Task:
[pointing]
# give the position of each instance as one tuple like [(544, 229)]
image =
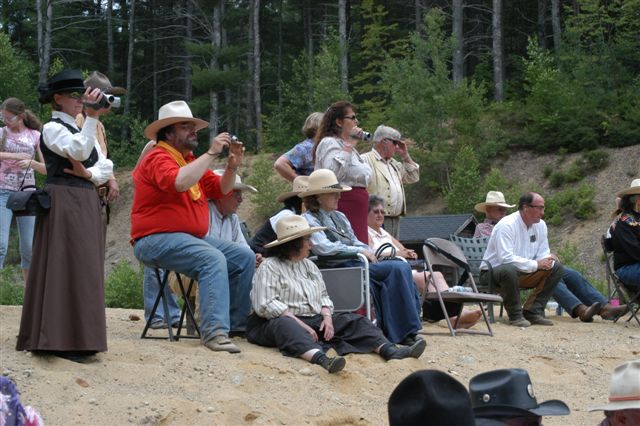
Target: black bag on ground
[(29, 203)]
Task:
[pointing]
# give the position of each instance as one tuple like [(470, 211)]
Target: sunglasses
[(350, 117), (395, 142), (75, 95)]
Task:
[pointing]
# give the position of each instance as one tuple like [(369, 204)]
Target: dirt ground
[(157, 382)]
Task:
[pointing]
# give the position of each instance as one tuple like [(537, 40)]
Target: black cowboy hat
[(68, 80), (509, 393), (432, 398)]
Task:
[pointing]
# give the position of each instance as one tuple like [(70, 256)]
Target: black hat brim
[(548, 408)]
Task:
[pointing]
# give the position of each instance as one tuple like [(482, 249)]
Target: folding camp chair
[(616, 287), (348, 286), (443, 253), (186, 309)]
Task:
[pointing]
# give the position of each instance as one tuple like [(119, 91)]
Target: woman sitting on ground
[(625, 236), (395, 297), (379, 236), (293, 312)]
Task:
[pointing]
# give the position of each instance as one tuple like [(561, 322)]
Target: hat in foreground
[(323, 181), (494, 198), (624, 392), (509, 393), (172, 113), (432, 398), (291, 227), (634, 189), (63, 82), (238, 185)]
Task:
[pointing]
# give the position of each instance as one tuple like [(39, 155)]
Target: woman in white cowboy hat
[(395, 297), (625, 236), (293, 311), (495, 208), (63, 311)]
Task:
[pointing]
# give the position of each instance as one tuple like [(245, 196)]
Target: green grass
[(11, 288)]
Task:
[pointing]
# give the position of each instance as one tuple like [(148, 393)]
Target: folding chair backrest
[(344, 286), (473, 249), (437, 259)]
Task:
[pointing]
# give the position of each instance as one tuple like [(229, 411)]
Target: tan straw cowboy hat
[(494, 198), (624, 392), (291, 227), (172, 113), (299, 184), (238, 185), (634, 189), (323, 181)]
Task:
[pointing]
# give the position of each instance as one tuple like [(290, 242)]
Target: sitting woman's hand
[(408, 253), (327, 327), (370, 256)]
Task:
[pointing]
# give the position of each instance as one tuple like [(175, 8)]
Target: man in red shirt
[(170, 220)]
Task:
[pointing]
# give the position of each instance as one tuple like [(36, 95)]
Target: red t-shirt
[(158, 207)]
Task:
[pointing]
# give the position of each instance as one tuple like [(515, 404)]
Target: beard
[(191, 144)]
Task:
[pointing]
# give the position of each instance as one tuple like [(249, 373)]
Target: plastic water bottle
[(459, 289)]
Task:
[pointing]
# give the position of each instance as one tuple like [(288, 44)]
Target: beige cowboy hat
[(172, 113), (291, 227), (494, 198), (634, 189), (323, 181), (100, 81), (238, 185), (299, 184), (624, 392)]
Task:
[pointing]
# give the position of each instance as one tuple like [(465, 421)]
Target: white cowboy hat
[(238, 184), (624, 392), (172, 113), (291, 227), (323, 181), (634, 189), (299, 184), (494, 198)]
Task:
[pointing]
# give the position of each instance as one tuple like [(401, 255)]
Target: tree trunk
[(127, 99), (344, 48), (257, 99), (44, 39), (216, 40), (576, 7), (279, 60), (542, 12), (308, 33), (555, 22), (498, 61), (109, 14), (458, 35), (228, 95), (250, 124), (154, 59), (188, 86)]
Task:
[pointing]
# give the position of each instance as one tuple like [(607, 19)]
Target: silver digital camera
[(106, 101)]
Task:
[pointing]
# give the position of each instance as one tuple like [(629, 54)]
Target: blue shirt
[(301, 157)]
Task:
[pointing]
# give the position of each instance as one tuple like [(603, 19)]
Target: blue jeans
[(26, 225), (573, 290), (150, 287), (630, 275), (223, 269)]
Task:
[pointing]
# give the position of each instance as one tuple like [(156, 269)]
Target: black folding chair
[(616, 287)]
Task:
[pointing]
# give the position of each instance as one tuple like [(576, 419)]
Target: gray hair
[(375, 200), (386, 132), (311, 124)]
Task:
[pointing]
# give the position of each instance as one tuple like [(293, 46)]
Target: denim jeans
[(150, 287), (574, 290), (223, 269), (630, 275), (26, 225)]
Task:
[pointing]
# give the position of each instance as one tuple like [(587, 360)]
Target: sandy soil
[(153, 382)]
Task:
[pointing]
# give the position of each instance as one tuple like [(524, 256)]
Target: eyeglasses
[(378, 211), (350, 117), (541, 208), (75, 95), (395, 142)]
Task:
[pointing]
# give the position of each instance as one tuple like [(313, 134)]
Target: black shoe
[(536, 319), (391, 351), (410, 340), (332, 365)]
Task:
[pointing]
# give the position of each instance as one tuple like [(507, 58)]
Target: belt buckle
[(102, 191)]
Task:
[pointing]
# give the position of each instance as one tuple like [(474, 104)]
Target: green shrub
[(462, 191), (596, 160), (569, 256), (269, 185), (11, 288), (576, 202), (123, 287)]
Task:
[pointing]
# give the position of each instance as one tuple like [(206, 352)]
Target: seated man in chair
[(170, 219)]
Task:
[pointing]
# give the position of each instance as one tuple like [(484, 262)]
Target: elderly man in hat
[(574, 293), (390, 175), (507, 395), (518, 251), (623, 408), (170, 220)]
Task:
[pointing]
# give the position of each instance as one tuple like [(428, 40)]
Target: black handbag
[(29, 203)]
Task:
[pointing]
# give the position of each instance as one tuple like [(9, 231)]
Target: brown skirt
[(64, 306)]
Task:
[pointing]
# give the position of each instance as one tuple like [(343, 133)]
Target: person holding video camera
[(64, 312)]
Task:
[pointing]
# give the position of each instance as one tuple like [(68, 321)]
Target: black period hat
[(68, 80)]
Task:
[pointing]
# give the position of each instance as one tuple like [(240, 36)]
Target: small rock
[(210, 410), (306, 371), (82, 382), (134, 317), (93, 401)]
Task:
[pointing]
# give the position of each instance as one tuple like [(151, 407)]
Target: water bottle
[(459, 289)]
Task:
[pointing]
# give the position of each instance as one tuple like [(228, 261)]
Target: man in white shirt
[(519, 254), (390, 175)]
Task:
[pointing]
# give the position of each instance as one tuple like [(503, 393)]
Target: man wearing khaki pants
[(518, 251)]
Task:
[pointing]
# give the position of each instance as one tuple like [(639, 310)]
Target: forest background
[(468, 81)]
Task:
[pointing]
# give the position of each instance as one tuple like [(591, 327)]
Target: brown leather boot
[(585, 313), (610, 312)]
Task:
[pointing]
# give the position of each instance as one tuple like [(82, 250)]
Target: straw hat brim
[(152, 129), (280, 198), (482, 207), (308, 193), (634, 190), (298, 234)]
